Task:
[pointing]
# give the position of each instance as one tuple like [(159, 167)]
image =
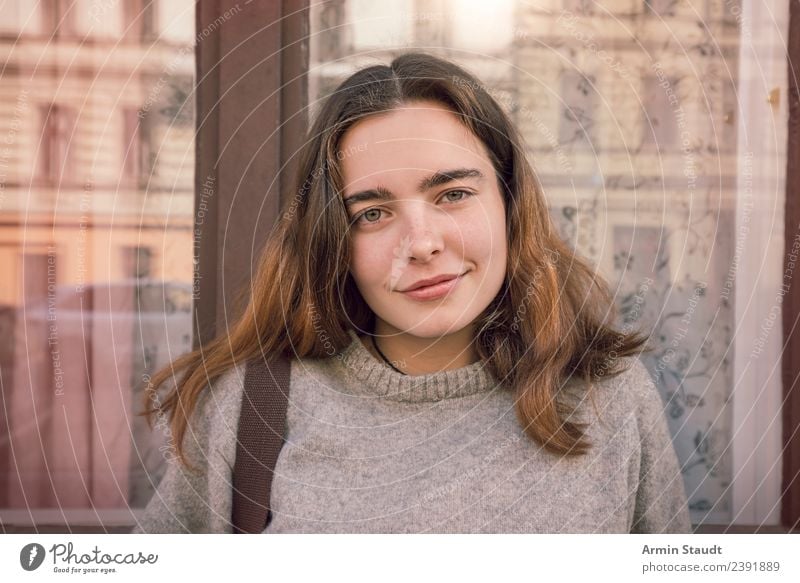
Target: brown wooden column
[(252, 60), (790, 503)]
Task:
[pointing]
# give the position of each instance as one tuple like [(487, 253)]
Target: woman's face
[(423, 201)]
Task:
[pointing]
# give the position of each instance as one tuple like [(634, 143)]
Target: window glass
[(96, 222), (628, 111)]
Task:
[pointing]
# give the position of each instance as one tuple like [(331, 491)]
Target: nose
[(424, 234)]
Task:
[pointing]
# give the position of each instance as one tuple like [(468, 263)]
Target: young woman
[(454, 367)]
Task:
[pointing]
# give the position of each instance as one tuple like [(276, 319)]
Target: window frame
[(790, 363), (240, 96)]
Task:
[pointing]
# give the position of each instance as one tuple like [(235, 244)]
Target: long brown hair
[(551, 320)]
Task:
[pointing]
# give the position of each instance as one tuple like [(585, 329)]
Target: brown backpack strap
[(260, 437)]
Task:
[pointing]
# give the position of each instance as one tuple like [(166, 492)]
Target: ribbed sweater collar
[(373, 377)]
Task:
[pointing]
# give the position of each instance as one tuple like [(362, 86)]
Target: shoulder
[(628, 394), (642, 399), (229, 386), (633, 384), (218, 407)]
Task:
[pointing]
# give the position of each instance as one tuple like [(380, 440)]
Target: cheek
[(367, 264), (484, 237)]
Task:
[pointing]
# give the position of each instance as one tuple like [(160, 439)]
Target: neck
[(414, 355)]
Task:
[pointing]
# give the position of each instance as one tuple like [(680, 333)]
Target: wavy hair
[(552, 319)]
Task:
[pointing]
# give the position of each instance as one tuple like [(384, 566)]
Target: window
[(660, 100), (140, 19), (580, 87), (56, 159), (136, 261), (96, 260), (58, 18), (577, 121), (135, 153)]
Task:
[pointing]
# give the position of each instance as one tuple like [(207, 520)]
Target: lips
[(431, 281), (445, 286)]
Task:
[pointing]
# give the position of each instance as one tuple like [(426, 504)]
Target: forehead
[(420, 137)]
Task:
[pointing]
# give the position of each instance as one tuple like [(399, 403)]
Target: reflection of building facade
[(628, 109), (629, 114), (96, 215)]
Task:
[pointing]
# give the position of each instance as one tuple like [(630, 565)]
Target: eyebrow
[(436, 179)]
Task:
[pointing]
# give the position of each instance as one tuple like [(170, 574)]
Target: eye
[(466, 194), (376, 215), (363, 217)]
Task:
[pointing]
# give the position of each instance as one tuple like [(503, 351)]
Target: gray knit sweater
[(370, 450)]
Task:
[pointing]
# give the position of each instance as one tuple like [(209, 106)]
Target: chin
[(430, 328)]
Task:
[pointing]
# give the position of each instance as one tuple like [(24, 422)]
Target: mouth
[(434, 291)]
